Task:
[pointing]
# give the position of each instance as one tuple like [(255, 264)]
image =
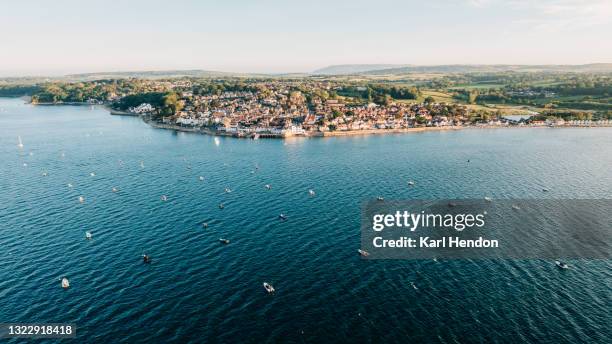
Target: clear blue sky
[(57, 37)]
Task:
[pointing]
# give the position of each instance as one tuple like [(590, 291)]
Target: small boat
[(268, 287), (311, 192), (201, 178), (115, 189), (544, 190), (217, 141), (141, 164), (81, 199), (20, 144), (146, 259), (65, 283), (224, 241), (88, 235), (363, 253), (380, 198), (164, 198), (561, 265), (411, 183), (256, 137), (69, 185), (221, 206), (282, 217), (25, 164), (268, 186), (488, 199), (205, 225), (452, 204), (92, 174), (44, 174), (516, 207), (228, 190)]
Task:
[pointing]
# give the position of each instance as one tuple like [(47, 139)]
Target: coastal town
[(285, 113), (290, 108)]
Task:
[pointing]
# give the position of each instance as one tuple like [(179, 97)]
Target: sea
[(199, 290)]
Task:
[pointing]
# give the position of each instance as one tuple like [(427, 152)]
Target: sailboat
[(20, 145)]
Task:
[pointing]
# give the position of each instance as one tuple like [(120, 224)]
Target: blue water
[(198, 290)]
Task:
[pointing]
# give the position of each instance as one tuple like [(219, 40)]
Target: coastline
[(352, 132), (337, 133)]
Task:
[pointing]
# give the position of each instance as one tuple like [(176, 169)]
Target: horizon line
[(26, 74)]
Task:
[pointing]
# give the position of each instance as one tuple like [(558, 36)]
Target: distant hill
[(374, 69), (150, 74), (355, 68)]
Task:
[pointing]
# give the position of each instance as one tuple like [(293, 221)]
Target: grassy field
[(438, 96), (475, 86), (504, 109)]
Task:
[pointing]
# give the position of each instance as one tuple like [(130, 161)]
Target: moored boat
[(268, 287), (65, 283)]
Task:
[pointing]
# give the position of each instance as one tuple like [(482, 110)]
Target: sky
[(267, 36)]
